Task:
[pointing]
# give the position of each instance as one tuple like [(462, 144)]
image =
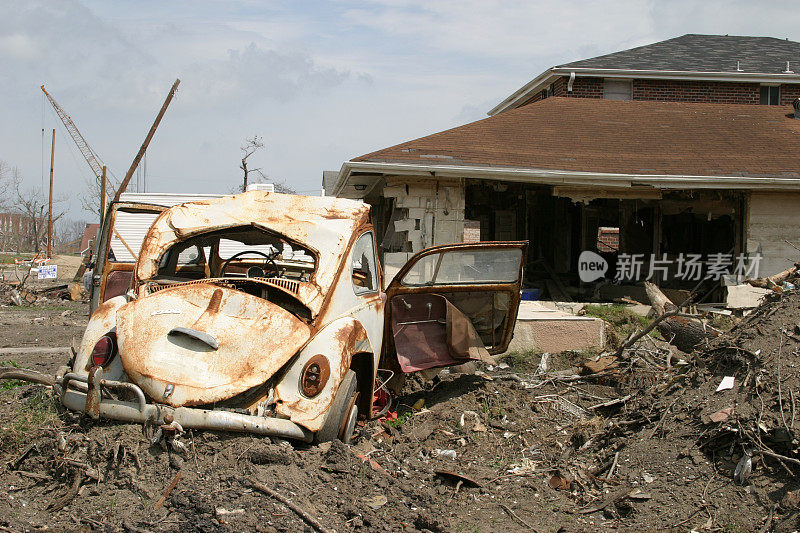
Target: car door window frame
[(373, 271)]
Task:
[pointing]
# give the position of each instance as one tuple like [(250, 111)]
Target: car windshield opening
[(247, 258)]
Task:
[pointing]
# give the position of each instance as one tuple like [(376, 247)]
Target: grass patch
[(36, 410), (8, 384), (528, 362), (622, 320), (31, 409), (9, 258), (520, 360), (400, 420)]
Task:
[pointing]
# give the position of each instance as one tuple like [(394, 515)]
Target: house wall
[(772, 220), (427, 212), (697, 91), (674, 91)]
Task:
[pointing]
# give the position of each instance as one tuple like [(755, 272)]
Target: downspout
[(571, 81)]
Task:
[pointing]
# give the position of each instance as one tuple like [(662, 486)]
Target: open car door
[(122, 233), (453, 303)]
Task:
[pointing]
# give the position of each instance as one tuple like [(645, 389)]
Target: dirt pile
[(565, 442)]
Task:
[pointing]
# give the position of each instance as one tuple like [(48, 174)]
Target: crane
[(91, 157)]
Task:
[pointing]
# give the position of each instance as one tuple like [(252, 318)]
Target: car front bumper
[(91, 402)]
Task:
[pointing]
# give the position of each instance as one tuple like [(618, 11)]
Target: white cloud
[(254, 74), (322, 82), (19, 47)]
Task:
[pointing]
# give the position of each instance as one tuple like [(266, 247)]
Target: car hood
[(200, 344)]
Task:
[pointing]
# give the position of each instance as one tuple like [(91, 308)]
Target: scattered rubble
[(640, 439)]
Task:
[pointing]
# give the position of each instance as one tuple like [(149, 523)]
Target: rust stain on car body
[(256, 338)]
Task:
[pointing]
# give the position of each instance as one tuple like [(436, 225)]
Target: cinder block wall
[(432, 213), (771, 222)]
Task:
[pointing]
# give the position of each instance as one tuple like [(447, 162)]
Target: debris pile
[(721, 428), (645, 438), (19, 294)]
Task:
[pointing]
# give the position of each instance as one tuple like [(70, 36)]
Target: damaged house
[(675, 158)]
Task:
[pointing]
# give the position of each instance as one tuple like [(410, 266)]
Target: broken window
[(363, 264), (464, 267), (240, 252)]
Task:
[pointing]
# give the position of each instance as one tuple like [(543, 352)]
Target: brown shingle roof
[(607, 136)]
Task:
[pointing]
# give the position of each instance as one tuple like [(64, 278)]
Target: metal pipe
[(111, 384)]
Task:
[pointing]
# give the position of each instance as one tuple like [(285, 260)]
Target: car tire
[(343, 413)]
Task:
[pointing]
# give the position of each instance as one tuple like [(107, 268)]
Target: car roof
[(323, 224)]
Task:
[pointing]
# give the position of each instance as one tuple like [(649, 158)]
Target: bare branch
[(31, 204)]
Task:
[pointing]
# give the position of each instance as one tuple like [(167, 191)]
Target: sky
[(320, 82)]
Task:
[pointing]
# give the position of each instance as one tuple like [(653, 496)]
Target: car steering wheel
[(239, 254)]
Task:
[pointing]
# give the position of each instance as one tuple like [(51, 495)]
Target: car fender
[(338, 341), (103, 320)]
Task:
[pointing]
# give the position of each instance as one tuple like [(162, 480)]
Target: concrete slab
[(745, 296), (545, 329)]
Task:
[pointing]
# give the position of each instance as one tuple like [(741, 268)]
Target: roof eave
[(536, 84), (569, 177), (522, 92)]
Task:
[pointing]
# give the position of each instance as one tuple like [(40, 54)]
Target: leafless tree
[(250, 147), (68, 233), (32, 204), (5, 184)]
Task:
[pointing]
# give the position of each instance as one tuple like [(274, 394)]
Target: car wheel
[(342, 414)]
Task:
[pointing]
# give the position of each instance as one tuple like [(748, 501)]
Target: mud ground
[(502, 450)]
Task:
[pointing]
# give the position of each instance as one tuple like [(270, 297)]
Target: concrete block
[(447, 232), (421, 190), (397, 259), (416, 213), (405, 225), (745, 296), (549, 330), (394, 191), (405, 201)]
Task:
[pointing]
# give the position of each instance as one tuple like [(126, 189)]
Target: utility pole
[(50, 208), (140, 154), (103, 196)]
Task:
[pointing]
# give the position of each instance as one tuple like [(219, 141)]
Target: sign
[(472, 231), (48, 272)]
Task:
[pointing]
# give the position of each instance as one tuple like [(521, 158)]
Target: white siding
[(167, 199), (774, 218), (132, 227)]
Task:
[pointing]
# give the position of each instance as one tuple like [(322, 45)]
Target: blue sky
[(321, 82)]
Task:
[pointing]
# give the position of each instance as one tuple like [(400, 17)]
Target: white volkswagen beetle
[(266, 313)]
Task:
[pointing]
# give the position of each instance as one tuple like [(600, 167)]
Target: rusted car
[(266, 313)]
